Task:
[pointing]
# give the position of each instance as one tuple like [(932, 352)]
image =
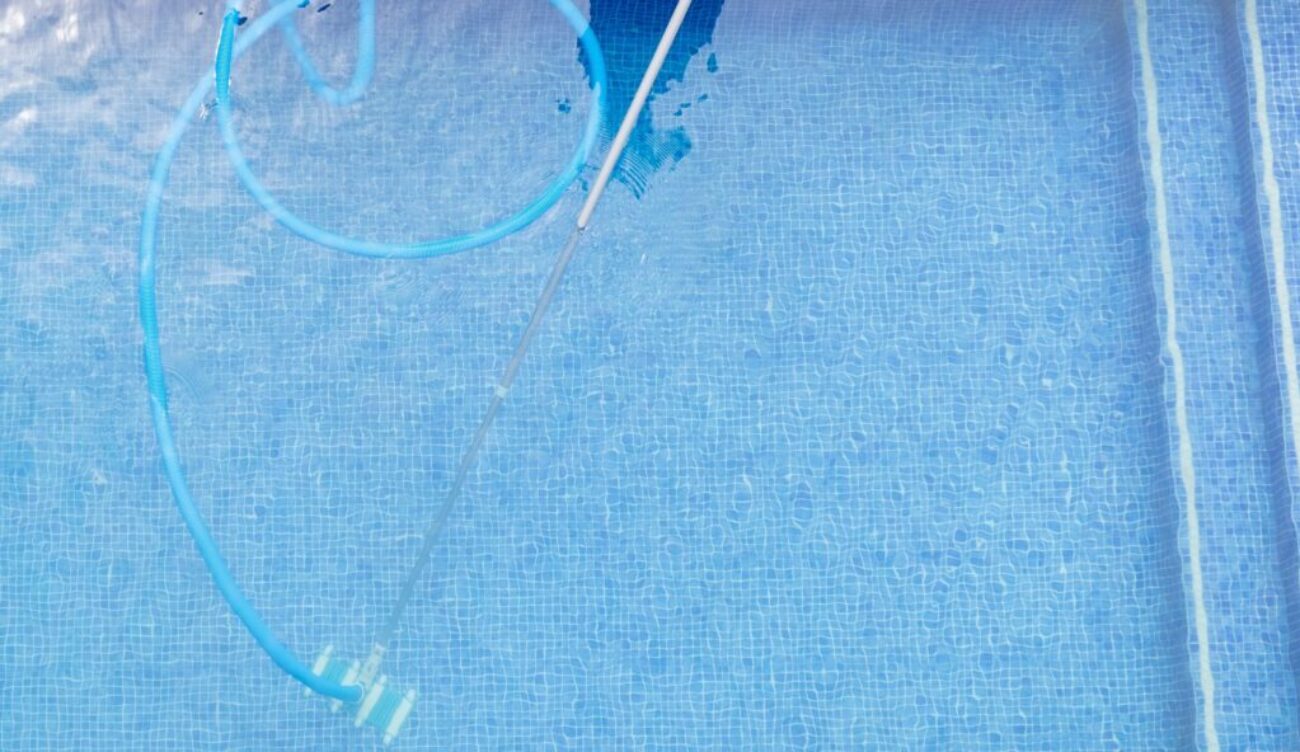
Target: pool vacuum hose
[(377, 703)]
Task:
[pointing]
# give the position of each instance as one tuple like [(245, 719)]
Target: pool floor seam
[(1273, 309), (1186, 469)]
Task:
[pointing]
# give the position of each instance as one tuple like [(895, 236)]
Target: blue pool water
[(926, 381)]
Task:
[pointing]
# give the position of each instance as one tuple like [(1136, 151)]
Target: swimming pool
[(925, 381)]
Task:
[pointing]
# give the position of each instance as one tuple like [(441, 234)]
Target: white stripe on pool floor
[(1276, 235), (1186, 468)]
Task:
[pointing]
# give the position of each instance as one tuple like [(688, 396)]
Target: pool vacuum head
[(381, 706)]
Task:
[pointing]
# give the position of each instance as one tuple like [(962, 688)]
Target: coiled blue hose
[(229, 49), (361, 74), (490, 234)]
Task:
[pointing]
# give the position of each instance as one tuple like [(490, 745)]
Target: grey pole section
[(371, 667)]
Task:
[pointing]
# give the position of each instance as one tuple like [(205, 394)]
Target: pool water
[(926, 380)]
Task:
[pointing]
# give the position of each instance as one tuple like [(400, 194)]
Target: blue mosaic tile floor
[(927, 380)]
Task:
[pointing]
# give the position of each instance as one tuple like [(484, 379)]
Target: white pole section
[(633, 112)]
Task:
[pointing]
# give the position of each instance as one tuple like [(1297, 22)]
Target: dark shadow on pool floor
[(628, 31)]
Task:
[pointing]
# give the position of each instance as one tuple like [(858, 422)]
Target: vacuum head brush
[(382, 706)]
